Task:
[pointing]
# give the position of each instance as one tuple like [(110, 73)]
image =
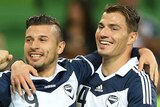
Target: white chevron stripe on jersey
[(146, 86)]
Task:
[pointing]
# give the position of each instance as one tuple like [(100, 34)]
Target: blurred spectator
[(79, 30)]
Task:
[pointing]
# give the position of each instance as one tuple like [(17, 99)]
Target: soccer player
[(58, 80), (117, 82)]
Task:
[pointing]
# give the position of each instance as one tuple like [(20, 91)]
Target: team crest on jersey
[(69, 91), (112, 101)]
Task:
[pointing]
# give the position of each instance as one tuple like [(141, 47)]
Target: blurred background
[(79, 19)]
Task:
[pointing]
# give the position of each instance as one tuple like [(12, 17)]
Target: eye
[(43, 39), (28, 40), (100, 26), (115, 28)]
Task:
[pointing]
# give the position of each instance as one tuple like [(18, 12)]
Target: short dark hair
[(132, 17), (43, 20)]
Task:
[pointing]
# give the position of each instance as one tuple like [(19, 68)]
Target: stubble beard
[(41, 67)]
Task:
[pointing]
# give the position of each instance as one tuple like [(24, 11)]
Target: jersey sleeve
[(95, 59), (142, 92), (5, 97), (82, 67), (135, 53)]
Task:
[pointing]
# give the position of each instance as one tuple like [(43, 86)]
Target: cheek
[(26, 47), (52, 49), (123, 36), (97, 34), (122, 42)]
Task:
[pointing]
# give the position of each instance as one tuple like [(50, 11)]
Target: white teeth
[(35, 55), (105, 42)]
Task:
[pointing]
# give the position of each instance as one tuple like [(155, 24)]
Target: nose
[(105, 32), (35, 44)]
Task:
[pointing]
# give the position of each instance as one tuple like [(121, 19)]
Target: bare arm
[(147, 58), (20, 76), (5, 58), (20, 71)]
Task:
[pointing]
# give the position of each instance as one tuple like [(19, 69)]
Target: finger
[(4, 56), (33, 71), (10, 57), (156, 77), (152, 70), (19, 89), (18, 86), (3, 65), (140, 65), (25, 86), (13, 86), (31, 85)]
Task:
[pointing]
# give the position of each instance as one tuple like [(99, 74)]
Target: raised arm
[(5, 58)]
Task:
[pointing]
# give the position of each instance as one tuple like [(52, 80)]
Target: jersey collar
[(57, 70), (126, 68), (122, 71)]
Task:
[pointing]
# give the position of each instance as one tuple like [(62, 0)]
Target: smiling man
[(117, 82), (58, 79)]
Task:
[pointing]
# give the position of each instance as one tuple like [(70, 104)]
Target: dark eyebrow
[(28, 37), (100, 23), (43, 36), (111, 25), (40, 36)]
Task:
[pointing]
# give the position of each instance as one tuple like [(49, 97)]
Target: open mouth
[(105, 42), (35, 55)]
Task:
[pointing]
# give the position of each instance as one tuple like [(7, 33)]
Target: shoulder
[(5, 74), (141, 89)]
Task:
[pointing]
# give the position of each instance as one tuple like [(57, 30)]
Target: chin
[(101, 51)]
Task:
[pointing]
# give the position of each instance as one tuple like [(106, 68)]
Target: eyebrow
[(39, 36), (114, 25), (28, 37), (110, 25), (100, 23)]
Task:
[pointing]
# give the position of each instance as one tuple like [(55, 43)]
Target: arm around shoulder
[(142, 92)]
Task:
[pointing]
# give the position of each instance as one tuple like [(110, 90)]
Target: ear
[(132, 38), (61, 46)]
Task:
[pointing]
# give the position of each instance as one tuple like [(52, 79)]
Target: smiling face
[(42, 46), (112, 36)]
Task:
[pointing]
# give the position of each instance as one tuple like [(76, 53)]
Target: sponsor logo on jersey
[(69, 91), (99, 88), (50, 86), (112, 101)]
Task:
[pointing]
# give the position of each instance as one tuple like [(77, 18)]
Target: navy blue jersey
[(125, 88), (59, 90)]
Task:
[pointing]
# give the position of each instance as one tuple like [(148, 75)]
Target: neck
[(48, 71), (111, 64)]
